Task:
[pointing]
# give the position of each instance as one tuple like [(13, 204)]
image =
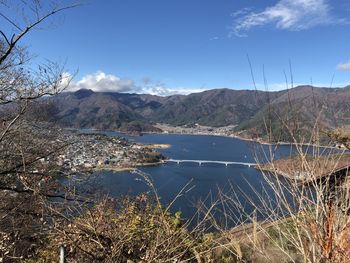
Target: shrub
[(123, 230)]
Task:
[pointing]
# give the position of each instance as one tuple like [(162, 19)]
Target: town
[(101, 152)]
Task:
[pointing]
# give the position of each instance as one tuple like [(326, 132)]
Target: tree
[(28, 145)]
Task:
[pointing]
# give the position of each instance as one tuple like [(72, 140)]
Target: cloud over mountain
[(102, 82)]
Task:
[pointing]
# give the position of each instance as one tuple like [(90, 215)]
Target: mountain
[(298, 111), (252, 111), (219, 107), (106, 110)]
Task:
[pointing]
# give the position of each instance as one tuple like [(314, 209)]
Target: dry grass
[(128, 230), (296, 168)]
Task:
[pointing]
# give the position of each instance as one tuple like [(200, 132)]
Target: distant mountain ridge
[(220, 107)]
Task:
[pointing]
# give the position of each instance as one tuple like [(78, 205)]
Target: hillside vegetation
[(255, 113)]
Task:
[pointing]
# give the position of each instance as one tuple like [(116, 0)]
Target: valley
[(249, 114)]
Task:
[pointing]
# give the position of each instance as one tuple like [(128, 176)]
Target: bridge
[(200, 162)]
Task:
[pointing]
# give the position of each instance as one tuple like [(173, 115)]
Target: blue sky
[(181, 46)]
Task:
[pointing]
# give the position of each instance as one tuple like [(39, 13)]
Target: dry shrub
[(134, 229), (341, 136), (302, 218)]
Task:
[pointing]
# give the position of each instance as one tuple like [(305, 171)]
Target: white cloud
[(158, 88), (163, 91), (66, 80), (214, 38), (344, 66), (240, 12), (102, 82), (293, 15)]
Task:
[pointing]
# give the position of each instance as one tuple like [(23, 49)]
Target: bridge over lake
[(200, 162)]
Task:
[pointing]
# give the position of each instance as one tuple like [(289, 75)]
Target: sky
[(181, 46)]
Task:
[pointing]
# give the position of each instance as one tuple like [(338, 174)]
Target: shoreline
[(132, 167), (207, 134), (244, 139), (157, 146), (217, 135)]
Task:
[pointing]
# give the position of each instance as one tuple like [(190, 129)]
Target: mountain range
[(255, 113)]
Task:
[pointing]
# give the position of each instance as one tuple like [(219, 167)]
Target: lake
[(202, 181)]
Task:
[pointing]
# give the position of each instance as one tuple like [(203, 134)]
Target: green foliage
[(151, 157)]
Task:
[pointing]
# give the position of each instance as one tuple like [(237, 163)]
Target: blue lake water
[(203, 181)]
